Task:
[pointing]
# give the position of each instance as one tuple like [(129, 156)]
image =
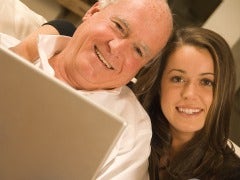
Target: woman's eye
[(177, 79), (207, 82)]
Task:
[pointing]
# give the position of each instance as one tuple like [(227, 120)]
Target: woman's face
[(187, 90)]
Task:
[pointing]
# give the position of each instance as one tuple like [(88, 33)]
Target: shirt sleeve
[(128, 160), (64, 27), (17, 19), (132, 164)]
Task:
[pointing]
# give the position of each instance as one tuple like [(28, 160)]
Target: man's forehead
[(144, 9), (126, 3)]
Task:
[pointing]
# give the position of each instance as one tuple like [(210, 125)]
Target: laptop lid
[(47, 129)]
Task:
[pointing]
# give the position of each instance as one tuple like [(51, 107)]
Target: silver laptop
[(47, 130)]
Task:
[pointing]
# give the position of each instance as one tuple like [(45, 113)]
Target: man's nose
[(118, 45), (189, 90)]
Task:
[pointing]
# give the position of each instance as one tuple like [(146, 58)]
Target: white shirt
[(129, 158), (17, 19)]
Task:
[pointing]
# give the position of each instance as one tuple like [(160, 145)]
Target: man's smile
[(102, 59)]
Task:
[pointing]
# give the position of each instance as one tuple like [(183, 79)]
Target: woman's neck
[(179, 139)]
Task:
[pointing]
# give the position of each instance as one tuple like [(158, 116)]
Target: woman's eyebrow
[(207, 73), (178, 70)]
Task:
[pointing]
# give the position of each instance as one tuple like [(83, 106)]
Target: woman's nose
[(189, 90)]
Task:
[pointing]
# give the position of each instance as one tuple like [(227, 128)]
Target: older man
[(116, 39)]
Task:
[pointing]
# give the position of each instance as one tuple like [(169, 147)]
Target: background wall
[(49, 9), (226, 21)]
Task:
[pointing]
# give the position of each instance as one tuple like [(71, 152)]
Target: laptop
[(47, 130)]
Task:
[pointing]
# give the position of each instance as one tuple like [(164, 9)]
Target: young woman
[(190, 108)]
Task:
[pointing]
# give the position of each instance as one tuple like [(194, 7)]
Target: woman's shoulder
[(231, 166)]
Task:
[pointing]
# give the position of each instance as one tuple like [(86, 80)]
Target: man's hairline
[(105, 3)]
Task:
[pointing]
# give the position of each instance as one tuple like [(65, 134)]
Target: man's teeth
[(188, 110), (103, 60)]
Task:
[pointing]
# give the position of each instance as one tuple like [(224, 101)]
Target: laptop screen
[(47, 129)]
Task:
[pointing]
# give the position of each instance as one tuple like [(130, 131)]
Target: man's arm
[(28, 47)]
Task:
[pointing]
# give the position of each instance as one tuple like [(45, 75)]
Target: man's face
[(114, 43)]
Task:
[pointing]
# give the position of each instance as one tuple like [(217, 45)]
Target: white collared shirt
[(129, 158)]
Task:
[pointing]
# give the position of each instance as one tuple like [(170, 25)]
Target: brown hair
[(203, 155)]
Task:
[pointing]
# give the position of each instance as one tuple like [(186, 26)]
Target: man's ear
[(93, 9)]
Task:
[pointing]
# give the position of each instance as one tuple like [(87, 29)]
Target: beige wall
[(226, 21), (49, 9)]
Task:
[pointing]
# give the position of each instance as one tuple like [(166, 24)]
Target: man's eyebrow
[(125, 24), (127, 27), (146, 50)]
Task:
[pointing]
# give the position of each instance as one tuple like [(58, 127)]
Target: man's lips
[(102, 59)]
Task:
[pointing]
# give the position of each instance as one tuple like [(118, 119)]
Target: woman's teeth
[(189, 110)]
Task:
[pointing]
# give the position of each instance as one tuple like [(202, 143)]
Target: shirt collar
[(48, 45), (115, 91)]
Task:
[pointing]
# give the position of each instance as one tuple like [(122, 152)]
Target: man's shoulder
[(121, 101)]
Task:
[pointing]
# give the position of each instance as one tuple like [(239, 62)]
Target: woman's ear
[(93, 9)]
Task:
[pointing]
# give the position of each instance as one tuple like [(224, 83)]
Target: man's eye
[(119, 27), (177, 79), (207, 82), (139, 51)]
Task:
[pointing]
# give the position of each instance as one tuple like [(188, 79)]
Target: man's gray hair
[(104, 3)]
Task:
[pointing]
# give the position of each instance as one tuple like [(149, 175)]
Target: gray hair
[(104, 3)]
